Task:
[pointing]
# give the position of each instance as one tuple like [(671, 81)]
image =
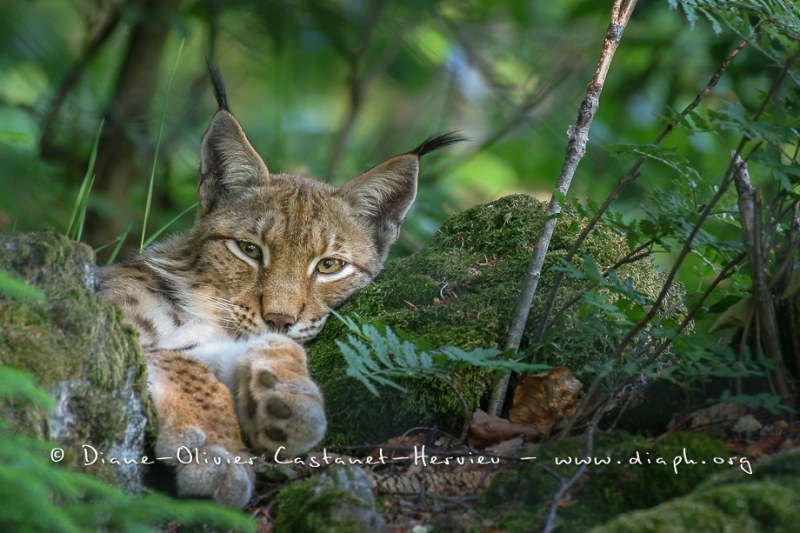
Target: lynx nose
[(278, 321)]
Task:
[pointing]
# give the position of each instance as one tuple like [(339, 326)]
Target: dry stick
[(626, 180), (576, 148), (750, 214), (565, 485), (685, 250)]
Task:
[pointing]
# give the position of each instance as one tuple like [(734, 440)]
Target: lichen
[(77, 348), (461, 290)]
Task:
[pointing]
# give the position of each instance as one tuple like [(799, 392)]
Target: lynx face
[(273, 253), (278, 255)]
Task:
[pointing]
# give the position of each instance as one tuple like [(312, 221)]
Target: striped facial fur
[(223, 309)]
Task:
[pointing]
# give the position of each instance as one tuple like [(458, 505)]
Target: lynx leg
[(197, 430), (278, 404)]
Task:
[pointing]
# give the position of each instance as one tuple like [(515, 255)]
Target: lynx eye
[(250, 249), (329, 265)]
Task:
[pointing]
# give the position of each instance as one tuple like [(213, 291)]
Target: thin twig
[(626, 180), (727, 179), (637, 254), (576, 148), (566, 485)]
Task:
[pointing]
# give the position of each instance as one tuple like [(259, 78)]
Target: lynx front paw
[(278, 404), (205, 470)]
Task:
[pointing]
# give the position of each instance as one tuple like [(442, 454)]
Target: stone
[(338, 500), (78, 349)]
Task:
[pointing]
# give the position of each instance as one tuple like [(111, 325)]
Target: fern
[(376, 355)]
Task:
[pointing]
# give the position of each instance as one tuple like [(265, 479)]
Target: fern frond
[(376, 355)]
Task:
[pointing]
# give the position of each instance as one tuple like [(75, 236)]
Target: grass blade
[(166, 226), (17, 288), (120, 241), (78, 216), (149, 201)]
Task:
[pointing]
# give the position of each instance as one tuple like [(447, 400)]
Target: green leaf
[(18, 289)]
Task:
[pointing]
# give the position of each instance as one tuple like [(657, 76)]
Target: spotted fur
[(222, 311)]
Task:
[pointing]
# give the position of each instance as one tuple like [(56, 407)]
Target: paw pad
[(267, 379), (276, 434), (278, 408), (278, 403)]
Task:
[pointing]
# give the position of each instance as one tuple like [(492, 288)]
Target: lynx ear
[(228, 162), (382, 196)]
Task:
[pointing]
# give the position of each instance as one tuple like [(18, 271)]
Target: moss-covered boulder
[(625, 473), (79, 350), (461, 290), (765, 500), (339, 500)]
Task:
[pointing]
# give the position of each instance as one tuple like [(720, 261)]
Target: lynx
[(223, 310)]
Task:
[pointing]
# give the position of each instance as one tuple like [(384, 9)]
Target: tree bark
[(576, 147), (119, 159)]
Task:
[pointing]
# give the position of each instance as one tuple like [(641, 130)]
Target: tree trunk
[(120, 161)]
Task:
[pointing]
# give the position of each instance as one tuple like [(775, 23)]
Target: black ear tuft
[(439, 141), (219, 86)]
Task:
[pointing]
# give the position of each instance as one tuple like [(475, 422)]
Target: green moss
[(75, 345), (765, 501), (461, 290), (329, 503), (654, 483), (628, 476), (301, 509)]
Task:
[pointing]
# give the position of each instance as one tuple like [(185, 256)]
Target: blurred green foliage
[(508, 74)]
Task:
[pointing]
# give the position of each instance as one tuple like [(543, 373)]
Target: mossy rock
[(630, 473), (765, 501), (339, 500), (78, 349), (461, 290)]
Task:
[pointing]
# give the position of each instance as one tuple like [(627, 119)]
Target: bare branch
[(750, 213), (727, 179), (567, 484), (576, 148), (627, 179)]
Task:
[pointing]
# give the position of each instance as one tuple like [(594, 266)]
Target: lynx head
[(274, 252)]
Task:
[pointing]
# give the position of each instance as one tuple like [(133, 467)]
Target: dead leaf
[(541, 400), (764, 445), (506, 448), (397, 447), (487, 430), (720, 414)]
